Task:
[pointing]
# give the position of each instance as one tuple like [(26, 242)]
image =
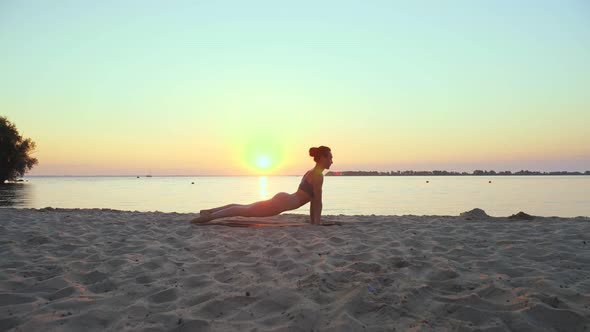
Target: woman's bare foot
[(203, 218)]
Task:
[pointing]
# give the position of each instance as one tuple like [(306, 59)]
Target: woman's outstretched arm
[(315, 209)]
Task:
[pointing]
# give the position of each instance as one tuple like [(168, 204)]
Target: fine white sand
[(80, 270)]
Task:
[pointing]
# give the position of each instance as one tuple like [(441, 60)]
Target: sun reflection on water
[(262, 183)]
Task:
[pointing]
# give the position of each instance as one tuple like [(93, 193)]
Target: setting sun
[(261, 155), (263, 162)]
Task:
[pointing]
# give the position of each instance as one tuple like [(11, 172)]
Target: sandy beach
[(96, 270)]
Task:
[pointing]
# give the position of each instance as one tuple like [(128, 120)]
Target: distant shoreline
[(341, 173), (452, 173)]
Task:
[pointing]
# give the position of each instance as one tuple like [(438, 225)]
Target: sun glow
[(262, 156), (263, 162)]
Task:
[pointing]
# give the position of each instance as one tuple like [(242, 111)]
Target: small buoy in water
[(427, 181)]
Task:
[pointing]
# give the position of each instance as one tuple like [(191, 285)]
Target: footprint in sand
[(13, 299), (164, 296), (64, 292), (93, 277)]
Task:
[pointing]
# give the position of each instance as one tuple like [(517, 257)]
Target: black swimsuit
[(306, 186)]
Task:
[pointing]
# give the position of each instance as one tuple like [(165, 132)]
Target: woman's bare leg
[(279, 203), (218, 208), (258, 209)]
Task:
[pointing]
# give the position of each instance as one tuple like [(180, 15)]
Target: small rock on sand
[(475, 214), (521, 216)]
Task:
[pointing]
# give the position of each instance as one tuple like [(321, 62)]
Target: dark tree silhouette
[(14, 152)]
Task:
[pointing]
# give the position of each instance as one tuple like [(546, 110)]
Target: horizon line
[(244, 175)]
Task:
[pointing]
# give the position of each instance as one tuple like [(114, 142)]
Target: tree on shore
[(14, 152)]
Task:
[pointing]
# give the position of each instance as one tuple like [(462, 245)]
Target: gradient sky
[(217, 87)]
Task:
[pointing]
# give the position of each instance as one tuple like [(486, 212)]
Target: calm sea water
[(565, 196)]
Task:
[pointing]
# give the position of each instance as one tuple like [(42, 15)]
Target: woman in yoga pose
[(310, 190)]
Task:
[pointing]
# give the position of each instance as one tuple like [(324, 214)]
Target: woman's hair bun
[(317, 153), (313, 152)]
